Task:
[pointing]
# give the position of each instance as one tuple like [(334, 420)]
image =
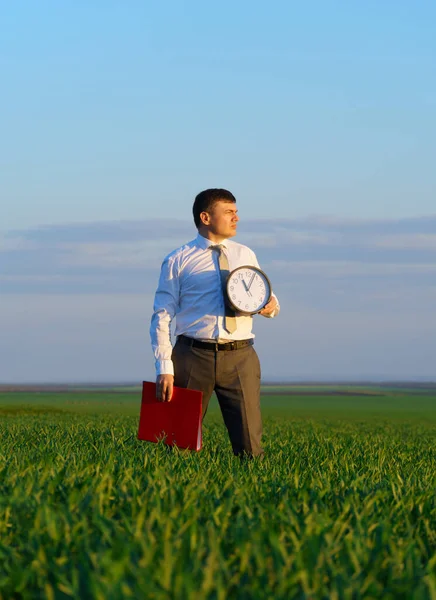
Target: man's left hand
[(269, 308)]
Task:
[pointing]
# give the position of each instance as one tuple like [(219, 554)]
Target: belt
[(214, 346)]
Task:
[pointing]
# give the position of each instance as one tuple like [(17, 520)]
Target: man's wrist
[(164, 367)]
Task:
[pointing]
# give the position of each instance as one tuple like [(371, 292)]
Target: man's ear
[(205, 217)]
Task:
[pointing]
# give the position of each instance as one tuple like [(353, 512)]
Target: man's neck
[(212, 237)]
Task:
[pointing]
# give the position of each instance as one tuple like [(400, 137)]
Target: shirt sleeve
[(277, 309), (166, 302)]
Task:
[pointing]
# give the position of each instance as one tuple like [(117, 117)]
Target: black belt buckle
[(227, 346)]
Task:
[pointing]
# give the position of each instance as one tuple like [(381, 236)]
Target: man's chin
[(233, 232)]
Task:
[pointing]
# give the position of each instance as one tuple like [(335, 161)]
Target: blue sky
[(320, 114)]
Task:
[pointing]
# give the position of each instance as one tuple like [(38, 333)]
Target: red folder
[(177, 422)]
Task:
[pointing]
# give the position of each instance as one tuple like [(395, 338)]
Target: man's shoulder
[(180, 251), (237, 247)]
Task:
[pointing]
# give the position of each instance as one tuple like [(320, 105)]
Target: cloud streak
[(358, 298), (126, 256)]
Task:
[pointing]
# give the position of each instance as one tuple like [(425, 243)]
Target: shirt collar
[(205, 243)]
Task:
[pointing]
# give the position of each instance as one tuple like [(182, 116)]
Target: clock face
[(248, 290)]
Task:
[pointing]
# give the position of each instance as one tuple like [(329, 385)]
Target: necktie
[(229, 316)]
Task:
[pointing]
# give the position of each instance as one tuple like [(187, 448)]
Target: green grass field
[(343, 506)]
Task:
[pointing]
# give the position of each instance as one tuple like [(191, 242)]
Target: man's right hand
[(164, 387)]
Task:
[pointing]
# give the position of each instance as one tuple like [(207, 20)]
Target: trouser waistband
[(214, 346)]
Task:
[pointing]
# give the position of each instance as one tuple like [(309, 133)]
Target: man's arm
[(165, 305), (271, 309)]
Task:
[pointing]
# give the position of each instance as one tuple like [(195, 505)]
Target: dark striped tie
[(229, 316)]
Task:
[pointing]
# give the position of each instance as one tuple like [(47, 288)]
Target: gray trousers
[(234, 375)]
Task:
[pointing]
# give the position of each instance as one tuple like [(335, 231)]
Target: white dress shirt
[(190, 290)]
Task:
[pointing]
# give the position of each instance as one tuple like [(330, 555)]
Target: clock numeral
[(240, 275), (246, 306), (239, 302), (233, 296), (231, 288), (235, 280)]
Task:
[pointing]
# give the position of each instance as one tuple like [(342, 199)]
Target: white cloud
[(358, 298), (139, 254), (13, 243), (351, 268), (415, 240), (122, 252)]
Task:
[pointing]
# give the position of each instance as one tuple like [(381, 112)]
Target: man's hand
[(269, 308), (164, 387)]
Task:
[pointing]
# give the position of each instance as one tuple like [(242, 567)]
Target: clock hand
[(251, 281), (246, 288)]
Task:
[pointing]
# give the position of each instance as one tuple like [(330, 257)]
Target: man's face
[(223, 219)]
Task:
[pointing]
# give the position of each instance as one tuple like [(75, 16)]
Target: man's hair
[(205, 201)]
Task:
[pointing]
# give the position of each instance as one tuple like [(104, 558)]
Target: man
[(214, 349)]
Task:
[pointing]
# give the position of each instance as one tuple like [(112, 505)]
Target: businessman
[(214, 347)]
